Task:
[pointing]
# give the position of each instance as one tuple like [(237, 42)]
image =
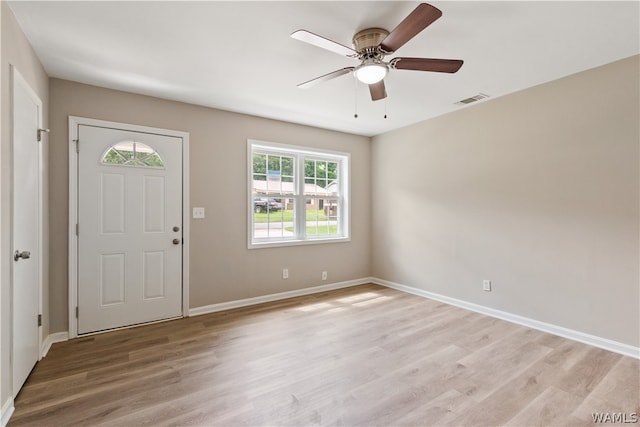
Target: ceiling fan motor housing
[(367, 42)]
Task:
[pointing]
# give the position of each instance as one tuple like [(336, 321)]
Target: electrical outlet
[(285, 273), (486, 285), (324, 275)]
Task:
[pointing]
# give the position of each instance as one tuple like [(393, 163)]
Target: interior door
[(129, 228), (27, 116)]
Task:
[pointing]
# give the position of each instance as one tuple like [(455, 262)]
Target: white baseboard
[(52, 339), (6, 411), (213, 308), (604, 343)]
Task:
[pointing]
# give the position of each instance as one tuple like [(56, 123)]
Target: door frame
[(16, 78), (74, 123)]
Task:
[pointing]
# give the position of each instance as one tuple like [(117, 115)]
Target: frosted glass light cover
[(371, 73)]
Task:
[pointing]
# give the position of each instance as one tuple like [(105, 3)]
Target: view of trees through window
[(319, 172)]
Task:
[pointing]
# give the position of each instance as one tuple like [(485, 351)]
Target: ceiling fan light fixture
[(370, 72)]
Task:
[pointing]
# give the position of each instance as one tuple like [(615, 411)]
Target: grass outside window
[(286, 216)]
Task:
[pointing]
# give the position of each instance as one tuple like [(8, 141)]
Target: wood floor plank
[(618, 392), (621, 385), (586, 374), (366, 355), (550, 408)]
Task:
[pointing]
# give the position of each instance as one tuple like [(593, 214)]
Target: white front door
[(27, 116), (129, 228)]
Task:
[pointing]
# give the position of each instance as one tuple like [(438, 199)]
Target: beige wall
[(537, 191), (222, 268), (15, 49)]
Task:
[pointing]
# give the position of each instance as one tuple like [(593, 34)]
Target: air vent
[(478, 97)]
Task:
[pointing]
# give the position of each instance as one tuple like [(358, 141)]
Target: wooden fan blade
[(323, 43), (421, 17), (427, 64), (378, 90), (331, 75)]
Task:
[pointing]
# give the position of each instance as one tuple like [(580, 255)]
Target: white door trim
[(74, 122), (15, 78)]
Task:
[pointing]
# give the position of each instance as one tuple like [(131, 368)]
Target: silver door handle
[(176, 241), (23, 255)]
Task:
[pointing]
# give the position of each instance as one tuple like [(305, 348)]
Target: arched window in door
[(132, 153)]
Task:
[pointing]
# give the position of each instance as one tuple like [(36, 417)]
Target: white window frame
[(299, 153)]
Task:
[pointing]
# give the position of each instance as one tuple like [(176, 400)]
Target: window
[(131, 153), (296, 195)]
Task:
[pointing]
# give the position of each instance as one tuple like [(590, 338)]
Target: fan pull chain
[(355, 98), (385, 108)]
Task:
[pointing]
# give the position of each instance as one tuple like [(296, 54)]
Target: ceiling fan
[(373, 44)]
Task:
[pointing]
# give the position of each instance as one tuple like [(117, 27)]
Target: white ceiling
[(238, 56)]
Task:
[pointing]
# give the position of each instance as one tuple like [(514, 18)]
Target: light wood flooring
[(362, 356)]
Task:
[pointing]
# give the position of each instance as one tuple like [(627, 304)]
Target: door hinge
[(39, 319), (76, 311), (77, 141), (77, 229), (40, 132)]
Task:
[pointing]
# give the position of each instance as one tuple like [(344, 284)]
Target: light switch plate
[(198, 213)]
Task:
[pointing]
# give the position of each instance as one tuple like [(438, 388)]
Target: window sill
[(284, 243)]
